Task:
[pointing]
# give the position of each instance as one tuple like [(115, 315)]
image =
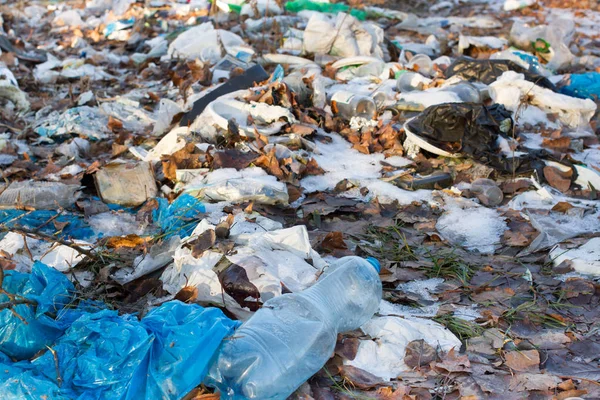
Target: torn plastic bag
[(180, 217), (471, 129), (106, 356), (52, 291), (584, 259), (9, 89), (186, 339), (18, 382), (511, 87), (76, 227), (583, 86), (250, 184), (488, 71), (214, 43), (384, 356), (39, 195)]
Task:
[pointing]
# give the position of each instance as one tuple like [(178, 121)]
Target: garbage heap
[(170, 166)]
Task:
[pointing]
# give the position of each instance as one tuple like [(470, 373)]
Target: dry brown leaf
[(312, 168), (203, 242), (562, 207), (114, 124), (418, 353), (334, 241), (187, 294), (557, 178), (561, 144), (130, 241), (523, 361)]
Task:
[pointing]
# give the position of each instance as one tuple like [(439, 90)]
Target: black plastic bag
[(488, 71), (471, 129)]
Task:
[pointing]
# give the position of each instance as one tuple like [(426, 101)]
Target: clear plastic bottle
[(487, 192), (466, 91), (292, 336), (348, 105), (411, 81), (422, 64)]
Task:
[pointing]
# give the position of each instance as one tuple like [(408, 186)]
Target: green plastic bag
[(330, 8)]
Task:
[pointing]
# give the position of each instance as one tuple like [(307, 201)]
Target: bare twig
[(58, 377), (49, 238)]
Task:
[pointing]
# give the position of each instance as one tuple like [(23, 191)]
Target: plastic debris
[(39, 195), (126, 184), (301, 328)]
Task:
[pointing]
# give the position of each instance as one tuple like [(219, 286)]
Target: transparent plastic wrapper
[(511, 87), (214, 43), (550, 41), (39, 195), (250, 184), (292, 336), (126, 184), (51, 291), (85, 121), (180, 217)]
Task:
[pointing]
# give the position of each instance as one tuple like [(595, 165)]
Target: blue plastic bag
[(97, 356), (76, 228), (52, 291), (104, 356), (180, 217), (186, 340), (583, 86)]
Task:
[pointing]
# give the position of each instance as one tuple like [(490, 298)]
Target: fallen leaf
[(560, 145), (235, 282), (203, 242), (557, 178), (187, 294), (333, 241), (347, 347), (232, 158), (418, 353), (312, 168), (562, 207), (523, 361), (454, 363), (114, 124), (360, 378)]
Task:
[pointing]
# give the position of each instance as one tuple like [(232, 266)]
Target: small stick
[(58, 377)]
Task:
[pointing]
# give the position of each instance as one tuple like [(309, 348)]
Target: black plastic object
[(471, 129), (246, 80), (434, 181), (36, 56), (487, 71)]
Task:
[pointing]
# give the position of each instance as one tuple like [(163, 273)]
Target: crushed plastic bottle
[(411, 81), (292, 336), (348, 105), (466, 91), (487, 192)]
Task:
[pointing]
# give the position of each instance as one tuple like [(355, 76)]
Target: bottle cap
[(373, 261)]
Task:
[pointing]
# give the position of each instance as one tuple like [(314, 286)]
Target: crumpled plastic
[(76, 227), (511, 87), (472, 129), (210, 48), (250, 184), (342, 35), (52, 291), (583, 86), (180, 217), (488, 71), (39, 195), (106, 356), (85, 121)]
